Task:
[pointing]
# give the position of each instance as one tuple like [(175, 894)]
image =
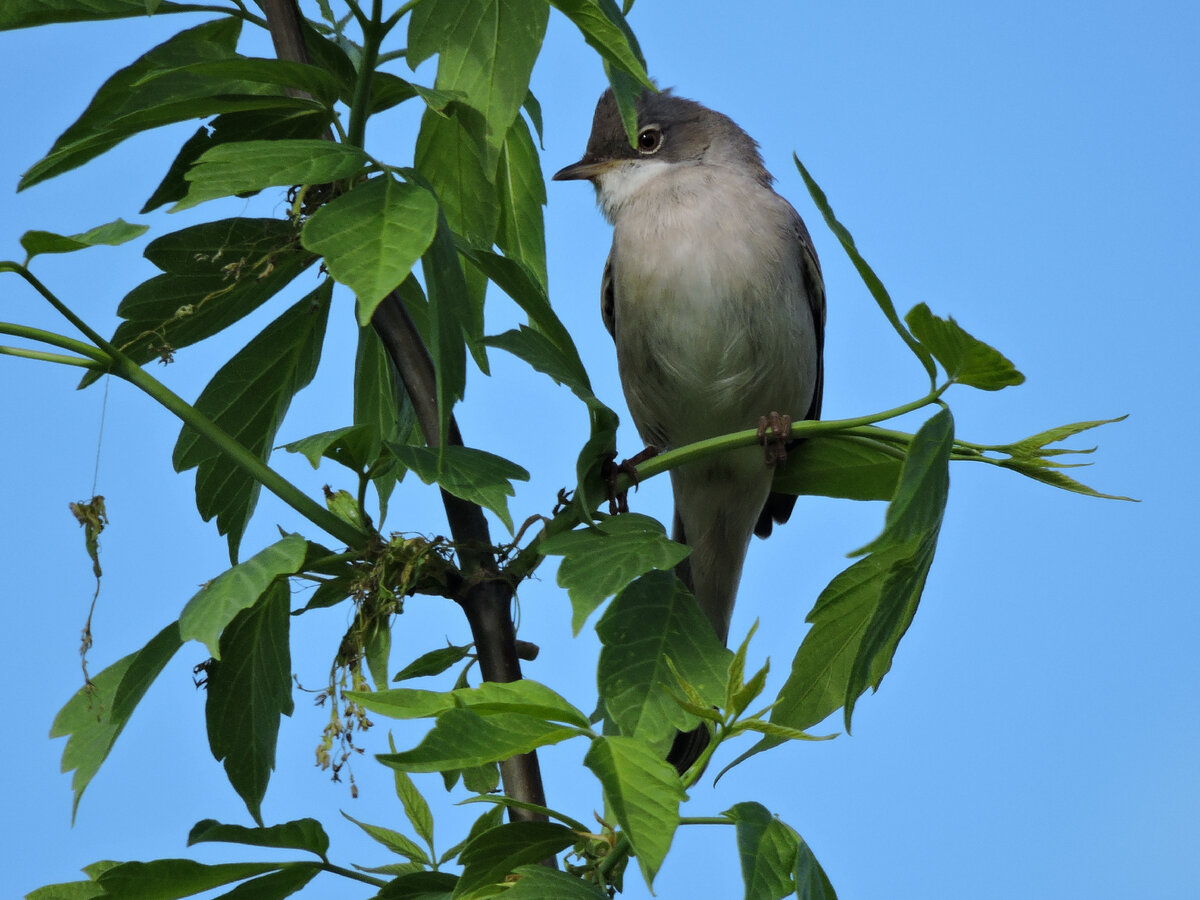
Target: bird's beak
[(585, 168)]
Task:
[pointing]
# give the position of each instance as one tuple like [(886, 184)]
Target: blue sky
[(1028, 168)]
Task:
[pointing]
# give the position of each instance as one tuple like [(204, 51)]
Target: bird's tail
[(717, 506)]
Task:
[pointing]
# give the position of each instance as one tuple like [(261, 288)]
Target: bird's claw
[(618, 501), (774, 432)]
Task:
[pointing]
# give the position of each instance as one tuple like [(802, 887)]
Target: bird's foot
[(774, 432), (618, 502)]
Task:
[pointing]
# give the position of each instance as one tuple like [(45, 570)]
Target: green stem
[(361, 499), (400, 14), (619, 851), (243, 458), (391, 55), (350, 873), (373, 32), (108, 349), (116, 362), (528, 559), (54, 340), (59, 358), (749, 437), (705, 820)]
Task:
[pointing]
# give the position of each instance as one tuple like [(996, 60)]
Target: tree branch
[(487, 597)]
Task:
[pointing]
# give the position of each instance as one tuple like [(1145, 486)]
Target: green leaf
[(775, 730), (72, 890), (627, 90), (312, 80), (381, 404), (601, 560), (214, 274), (966, 359), (248, 689), (215, 605), (525, 697), (415, 807), (900, 559), (451, 155), (248, 398), (539, 882), (435, 662), (371, 236), (522, 194), (383, 408), (469, 474), (328, 593), (393, 840), (93, 719), (404, 703), (605, 29), (486, 49), (652, 620), (1029, 457), (463, 738), (493, 855), (168, 879), (112, 234), (847, 466), (479, 779), (870, 279), (158, 90), (388, 90), (1036, 445), (510, 803), (767, 849), (821, 667), (644, 793), (920, 499), (348, 445), (811, 881), (290, 878), (247, 166), (490, 819), (1046, 474), (419, 886), (519, 281), (600, 447), (452, 312), (299, 834), (741, 698), (146, 665), (264, 125), (397, 868), (533, 109), (377, 651), (28, 13), (860, 617), (734, 682), (98, 868), (541, 353)]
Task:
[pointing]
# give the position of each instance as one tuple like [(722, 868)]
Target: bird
[(713, 295)]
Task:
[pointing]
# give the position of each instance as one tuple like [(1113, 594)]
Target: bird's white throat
[(626, 182)]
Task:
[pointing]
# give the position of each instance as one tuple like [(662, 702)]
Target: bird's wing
[(778, 507), (814, 289), (608, 306)]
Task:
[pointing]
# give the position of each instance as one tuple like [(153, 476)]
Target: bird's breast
[(711, 317)]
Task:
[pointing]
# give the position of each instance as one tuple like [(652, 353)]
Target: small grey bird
[(713, 294)]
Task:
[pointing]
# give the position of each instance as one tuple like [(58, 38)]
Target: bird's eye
[(649, 139)]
